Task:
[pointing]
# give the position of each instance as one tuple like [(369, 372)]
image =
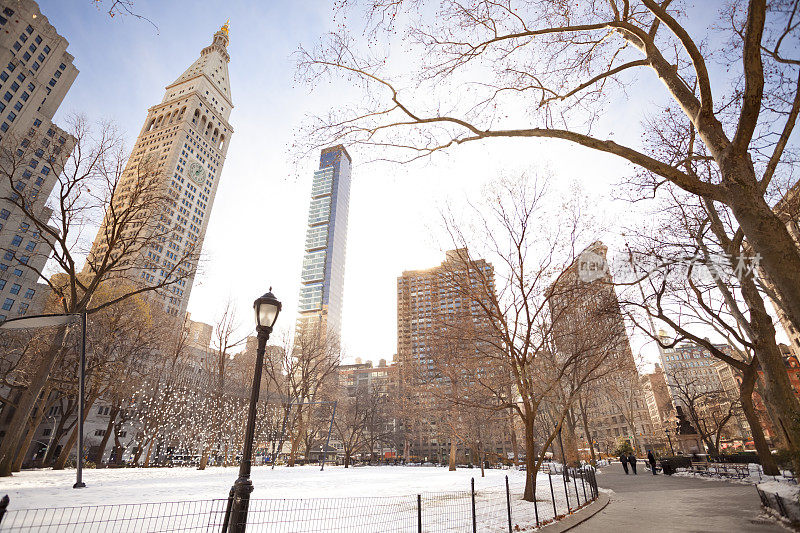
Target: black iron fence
[(498, 508), (785, 507)]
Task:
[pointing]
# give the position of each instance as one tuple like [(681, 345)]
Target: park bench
[(738, 470), (699, 467)]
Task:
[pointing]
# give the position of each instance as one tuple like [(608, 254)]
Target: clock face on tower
[(197, 172)]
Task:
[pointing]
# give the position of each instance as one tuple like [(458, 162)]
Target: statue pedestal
[(690, 444)]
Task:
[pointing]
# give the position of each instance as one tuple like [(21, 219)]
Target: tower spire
[(226, 28)]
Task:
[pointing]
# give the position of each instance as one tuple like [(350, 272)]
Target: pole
[(328, 438), (508, 505), (552, 493), (474, 520), (563, 468), (419, 513), (79, 484), (670, 443), (242, 487)]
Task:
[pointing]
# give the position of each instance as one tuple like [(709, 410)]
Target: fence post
[(535, 506), (474, 521), (419, 513), (564, 478), (508, 504), (552, 493), (583, 483), (577, 496)]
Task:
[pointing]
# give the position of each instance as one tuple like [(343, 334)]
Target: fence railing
[(786, 508), (497, 508)]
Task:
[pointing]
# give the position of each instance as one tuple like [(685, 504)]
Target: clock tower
[(186, 136)]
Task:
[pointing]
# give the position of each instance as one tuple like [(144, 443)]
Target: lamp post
[(670, 442), (267, 309)]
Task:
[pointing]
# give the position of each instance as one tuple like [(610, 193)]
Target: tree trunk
[(746, 399), (530, 463), (346, 459), (19, 420), (23, 448), (59, 432), (149, 451), (452, 459), (585, 421), (101, 449), (767, 235), (61, 461), (203, 458)]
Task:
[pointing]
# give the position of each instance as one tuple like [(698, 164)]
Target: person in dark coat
[(624, 460), (652, 460), (632, 462)]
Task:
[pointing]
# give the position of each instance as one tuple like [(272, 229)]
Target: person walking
[(652, 460), (632, 461), (624, 460)]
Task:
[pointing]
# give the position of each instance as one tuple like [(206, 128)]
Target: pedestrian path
[(675, 504)]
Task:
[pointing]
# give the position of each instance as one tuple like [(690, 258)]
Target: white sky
[(257, 225)]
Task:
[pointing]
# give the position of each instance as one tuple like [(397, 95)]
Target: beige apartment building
[(36, 71), (186, 138)]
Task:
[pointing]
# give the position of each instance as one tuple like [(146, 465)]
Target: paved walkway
[(668, 503)]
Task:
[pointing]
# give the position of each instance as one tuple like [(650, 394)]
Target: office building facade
[(185, 138), (36, 71), (322, 278)]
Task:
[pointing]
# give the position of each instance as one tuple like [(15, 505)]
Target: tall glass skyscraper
[(322, 280)]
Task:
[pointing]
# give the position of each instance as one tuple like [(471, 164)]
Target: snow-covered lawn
[(387, 493)]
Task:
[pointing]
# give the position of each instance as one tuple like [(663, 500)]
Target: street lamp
[(266, 309), (670, 442)]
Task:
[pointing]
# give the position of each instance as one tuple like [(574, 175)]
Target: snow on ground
[(445, 495)]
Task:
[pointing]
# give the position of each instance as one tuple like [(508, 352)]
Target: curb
[(580, 517)]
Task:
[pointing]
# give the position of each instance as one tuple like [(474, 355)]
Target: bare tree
[(94, 180), (483, 67), (547, 356)]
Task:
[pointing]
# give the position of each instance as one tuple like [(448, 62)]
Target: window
[(38, 39), (11, 67), (52, 82), (7, 304), (99, 432), (39, 181), (2, 284), (3, 75), (9, 256), (35, 65), (23, 308), (41, 57), (24, 96), (34, 163), (57, 74), (4, 214), (15, 289), (3, 267), (8, 96), (17, 272), (12, 116), (26, 56), (4, 126), (62, 66), (30, 246), (23, 226), (29, 29), (18, 106), (47, 432), (8, 12), (24, 259), (17, 46), (46, 49), (37, 123), (29, 294), (16, 241), (39, 152)]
